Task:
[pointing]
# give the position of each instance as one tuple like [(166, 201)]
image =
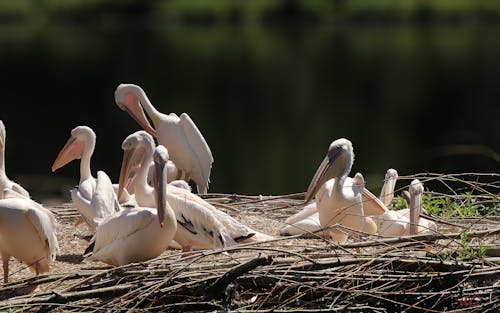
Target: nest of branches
[(454, 269)]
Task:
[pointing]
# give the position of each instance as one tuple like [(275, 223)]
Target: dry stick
[(225, 206), (153, 288), (424, 237), (71, 296), (215, 289)]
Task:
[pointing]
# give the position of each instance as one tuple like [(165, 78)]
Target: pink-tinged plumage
[(186, 145)]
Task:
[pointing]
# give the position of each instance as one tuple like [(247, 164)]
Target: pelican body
[(339, 199), (28, 233), (85, 196), (137, 234), (5, 182), (186, 145)]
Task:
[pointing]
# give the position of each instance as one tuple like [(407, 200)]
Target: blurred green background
[(415, 85)]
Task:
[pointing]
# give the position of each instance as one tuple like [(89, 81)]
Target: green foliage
[(464, 251), (399, 203), (448, 207), (464, 206)]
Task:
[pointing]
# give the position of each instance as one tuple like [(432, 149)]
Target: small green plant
[(463, 207), (464, 251), (399, 203)]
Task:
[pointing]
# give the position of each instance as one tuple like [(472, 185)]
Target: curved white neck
[(344, 168), (85, 172), (152, 112), (141, 187), (2, 163)]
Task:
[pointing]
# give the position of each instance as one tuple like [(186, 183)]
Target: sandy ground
[(72, 243)]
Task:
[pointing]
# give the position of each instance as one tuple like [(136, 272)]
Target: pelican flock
[(152, 208), (137, 234), (200, 224)]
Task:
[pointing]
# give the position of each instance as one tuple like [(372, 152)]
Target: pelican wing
[(234, 228), (44, 223), (200, 147), (121, 225), (83, 206), (9, 194), (104, 199), (20, 190), (307, 211), (308, 223), (372, 205), (199, 221)]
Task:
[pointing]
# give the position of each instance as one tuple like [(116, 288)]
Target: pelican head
[(81, 136), (127, 97), (337, 163), (416, 191), (160, 158), (137, 149)]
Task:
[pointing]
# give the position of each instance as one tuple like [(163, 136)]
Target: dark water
[(269, 100)]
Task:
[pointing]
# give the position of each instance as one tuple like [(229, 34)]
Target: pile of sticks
[(291, 274)]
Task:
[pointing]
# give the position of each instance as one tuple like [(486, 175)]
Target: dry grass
[(284, 275)]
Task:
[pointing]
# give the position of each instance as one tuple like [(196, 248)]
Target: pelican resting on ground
[(27, 232), (137, 234), (341, 200), (307, 219), (415, 224), (389, 224), (198, 220), (5, 182), (398, 223), (85, 196), (185, 143)]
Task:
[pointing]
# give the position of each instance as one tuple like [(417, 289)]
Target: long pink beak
[(132, 106), (73, 149), (127, 170)]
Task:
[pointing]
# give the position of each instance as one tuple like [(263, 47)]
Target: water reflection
[(268, 100)]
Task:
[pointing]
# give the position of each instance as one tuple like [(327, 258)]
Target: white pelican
[(185, 143), (416, 224), (133, 234), (307, 220), (5, 182), (390, 223), (341, 200), (85, 196), (406, 221), (193, 213), (27, 232)]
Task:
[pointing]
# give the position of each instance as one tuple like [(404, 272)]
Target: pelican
[(27, 232), (193, 213), (390, 223), (185, 143), (5, 182), (416, 225), (341, 200), (85, 196), (308, 222), (133, 235)]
